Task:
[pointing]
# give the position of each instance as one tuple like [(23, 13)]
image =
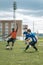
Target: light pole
[(14, 10)]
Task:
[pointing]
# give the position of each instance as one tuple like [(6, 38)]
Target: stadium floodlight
[(14, 9)]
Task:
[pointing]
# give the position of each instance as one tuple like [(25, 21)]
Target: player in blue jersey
[(33, 41)]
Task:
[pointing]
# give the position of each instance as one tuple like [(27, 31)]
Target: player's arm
[(17, 27), (28, 39), (8, 35), (24, 34)]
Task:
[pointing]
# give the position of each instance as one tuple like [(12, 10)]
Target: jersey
[(32, 36), (24, 33), (13, 34)]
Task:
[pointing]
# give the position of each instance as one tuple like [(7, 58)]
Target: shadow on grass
[(30, 52)]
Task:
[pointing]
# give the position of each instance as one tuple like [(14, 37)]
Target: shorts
[(32, 43), (11, 40)]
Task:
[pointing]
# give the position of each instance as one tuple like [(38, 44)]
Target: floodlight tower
[(14, 10)]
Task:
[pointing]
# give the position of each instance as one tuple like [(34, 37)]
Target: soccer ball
[(8, 47)]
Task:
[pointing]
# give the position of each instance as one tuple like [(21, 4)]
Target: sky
[(29, 11)]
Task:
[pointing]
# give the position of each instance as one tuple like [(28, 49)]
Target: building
[(7, 25), (24, 28)]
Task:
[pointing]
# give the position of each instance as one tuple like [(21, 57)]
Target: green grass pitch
[(17, 56)]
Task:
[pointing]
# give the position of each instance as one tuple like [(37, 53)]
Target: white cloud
[(27, 19), (35, 13), (24, 10)]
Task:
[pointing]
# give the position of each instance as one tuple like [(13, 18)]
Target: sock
[(27, 47), (7, 45), (35, 48)]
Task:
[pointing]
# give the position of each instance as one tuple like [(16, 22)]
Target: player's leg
[(28, 44), (8, 41), (8, 46), (33, 45), (13, 40), (26, 47)]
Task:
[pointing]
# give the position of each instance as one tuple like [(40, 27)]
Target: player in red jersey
[(13, 35)]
